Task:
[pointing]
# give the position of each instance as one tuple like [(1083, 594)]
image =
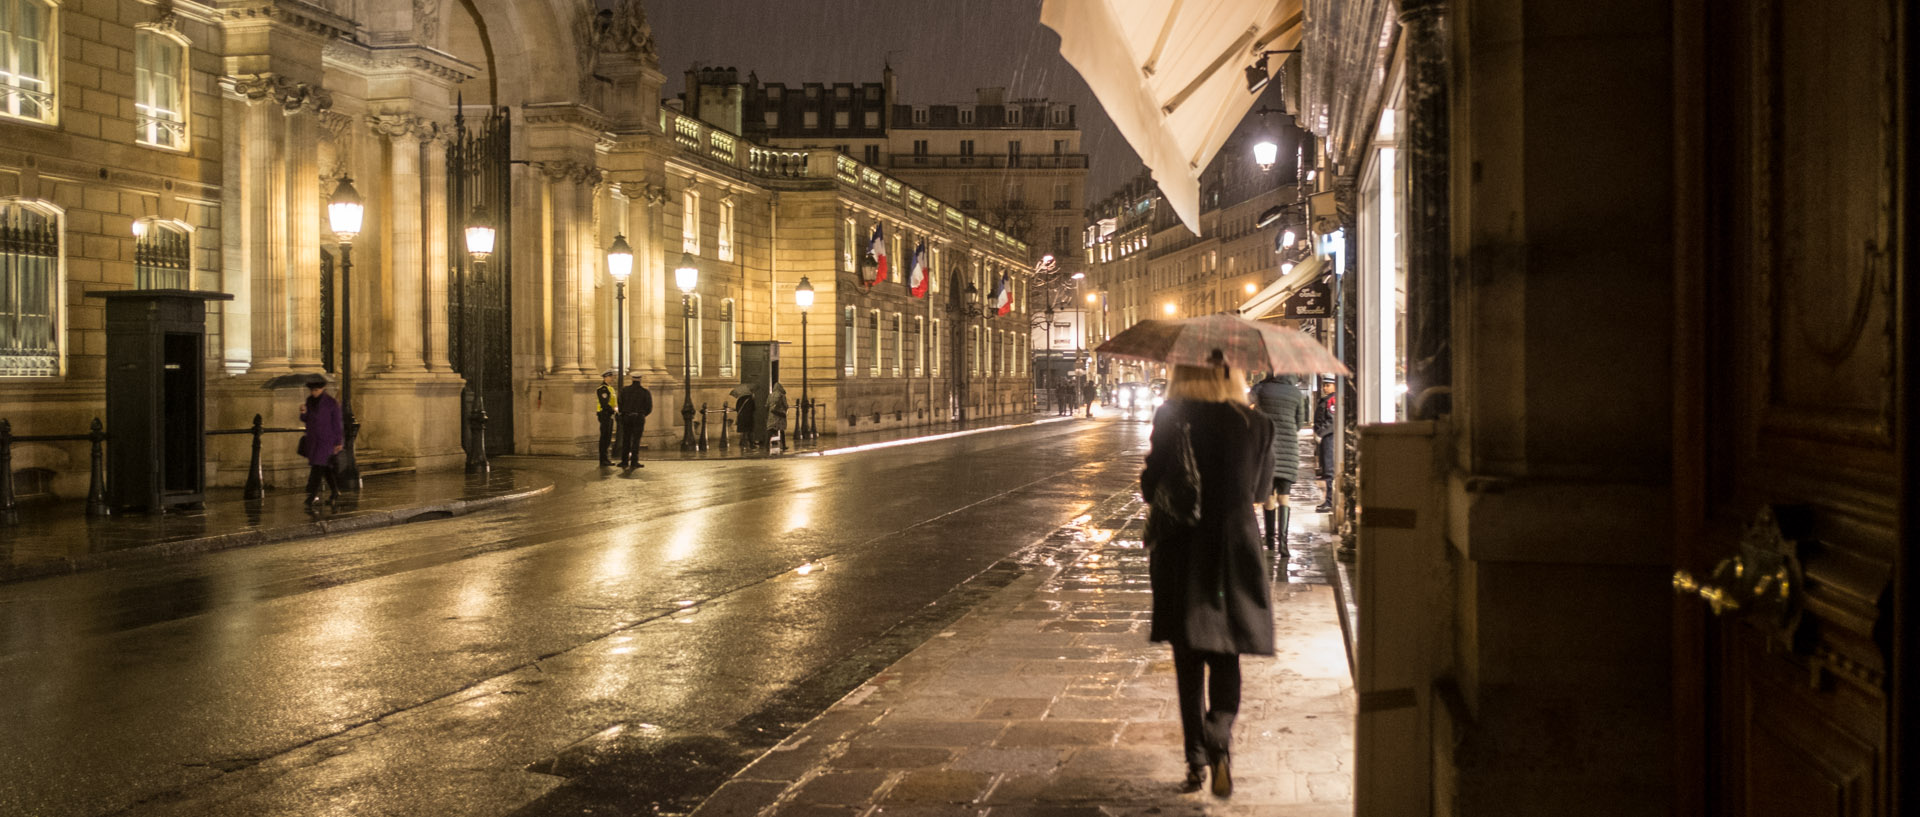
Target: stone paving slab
[(1018, 710)]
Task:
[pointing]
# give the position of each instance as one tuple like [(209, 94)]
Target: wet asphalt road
[(621, 644)]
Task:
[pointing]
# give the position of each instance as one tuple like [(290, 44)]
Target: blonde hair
[(1206, 384)]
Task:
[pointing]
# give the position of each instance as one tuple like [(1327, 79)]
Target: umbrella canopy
[(287, 381), (1249, 346), (1172, 74)]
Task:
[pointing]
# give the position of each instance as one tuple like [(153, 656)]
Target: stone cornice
[(404, 126), (565, 113), (388, 59), (293, 97), (300, 15), (564, 170)]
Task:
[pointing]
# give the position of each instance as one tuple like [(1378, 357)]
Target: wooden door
[(1791, 402)]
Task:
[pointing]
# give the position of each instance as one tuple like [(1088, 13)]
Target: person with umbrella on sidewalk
[(1210, 462)]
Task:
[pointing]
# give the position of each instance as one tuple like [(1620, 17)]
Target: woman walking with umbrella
[(1211, 600), (1211, 453), (324, 438)]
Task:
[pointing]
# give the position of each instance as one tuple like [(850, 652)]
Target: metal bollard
[(723, 427), (97, 490), (256, 480), (701, 443), (6, 466)]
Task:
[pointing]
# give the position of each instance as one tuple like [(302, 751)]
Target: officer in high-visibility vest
[(609, 407)]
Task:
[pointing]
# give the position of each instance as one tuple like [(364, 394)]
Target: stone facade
[(285, 99)]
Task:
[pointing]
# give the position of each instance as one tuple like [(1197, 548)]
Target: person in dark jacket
[(325, 438), (1211, 599), (608, 400), (1088, 392), (1323, 453), (635, 404), (1280, 398)]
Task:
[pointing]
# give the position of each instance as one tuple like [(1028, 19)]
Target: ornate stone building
[(195, 145)]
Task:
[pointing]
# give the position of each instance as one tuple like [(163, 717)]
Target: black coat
[(635, 400), (1286, 406), (1210, 586)]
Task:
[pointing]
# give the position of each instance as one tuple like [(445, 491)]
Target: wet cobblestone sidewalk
[(1048, 699)]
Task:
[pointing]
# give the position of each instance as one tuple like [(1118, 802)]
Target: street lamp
[(619, 266), (479, 235), (1265, 153), (686, 276), (344, 214), (803, 298)]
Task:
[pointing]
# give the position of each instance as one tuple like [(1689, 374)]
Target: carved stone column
[(586, 258), (562, 199), (304, 105), (404, 259), (438, 262), (650, 293), (263, 197)]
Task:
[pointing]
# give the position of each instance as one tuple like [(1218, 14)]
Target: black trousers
[(631, 427), (318, 473), (1206, 720), (606, 436)]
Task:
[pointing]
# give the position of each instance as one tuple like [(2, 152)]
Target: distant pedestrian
[(1323, 408), (743, 411), (1088, 393), (608, 401), (1211, 599), (1280, 398), (635, 404), (325, 439), (1063, 398)]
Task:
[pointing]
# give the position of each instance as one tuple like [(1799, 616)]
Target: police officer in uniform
[(609, 406), (635, 404)]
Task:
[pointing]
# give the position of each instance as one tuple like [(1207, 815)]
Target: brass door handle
[(1736, 585), (1764, 581), (1718, 597)]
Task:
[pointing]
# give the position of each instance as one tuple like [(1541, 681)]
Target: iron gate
[(481, 304)]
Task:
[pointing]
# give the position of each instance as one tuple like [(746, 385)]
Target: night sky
[(941, 50)]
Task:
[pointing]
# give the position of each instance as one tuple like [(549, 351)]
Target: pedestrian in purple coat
[(324, 438)]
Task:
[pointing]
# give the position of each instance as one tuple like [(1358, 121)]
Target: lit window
[(723, 236), (690, 221), (919, 345), (162, 255), (973, 341), (873, 333), (899, 344), (159, 88), (935, 337), (30, 282), (852, 343), (27, 39), (847, 245), (728, 327)]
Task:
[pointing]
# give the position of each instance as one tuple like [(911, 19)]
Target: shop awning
[(1267, 302), (1172, 74)]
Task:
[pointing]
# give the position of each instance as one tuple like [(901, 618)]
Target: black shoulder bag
[(1176, 497)]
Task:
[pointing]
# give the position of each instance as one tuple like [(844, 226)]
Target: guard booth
[(156, 397), (760, 372)]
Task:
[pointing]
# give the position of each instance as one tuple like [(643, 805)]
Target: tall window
[(27, 39), (690, 220), (919, 147), (873, 334), (697, 336), (839, 120), (919, 345), (919, 115), (871, 154), (973, 347), (899, 344), (935, 337), (29, 286), (728, 328), (159, 88), (723, 237), (852, 343), (966, 115), (1013, 148), (810, 119), (969, 194), (966, 147), (773, 120), (847, 244), (162, 255)]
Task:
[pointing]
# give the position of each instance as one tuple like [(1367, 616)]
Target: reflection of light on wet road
[(686, 539), (929, 438), (799, 511)]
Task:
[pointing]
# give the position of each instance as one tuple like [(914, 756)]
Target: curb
[(238, 539)]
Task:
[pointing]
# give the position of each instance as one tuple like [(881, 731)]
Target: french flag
[(1002, 297), (917, 271), (877, 250)]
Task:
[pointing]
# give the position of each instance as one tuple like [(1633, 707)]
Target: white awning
[(1172, 74), (1267, 303)]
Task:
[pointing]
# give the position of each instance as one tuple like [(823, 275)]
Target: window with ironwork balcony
[(162, 255), (160, 88), (29, 286)]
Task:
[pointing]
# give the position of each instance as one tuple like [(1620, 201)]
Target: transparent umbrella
[(1249, 346)]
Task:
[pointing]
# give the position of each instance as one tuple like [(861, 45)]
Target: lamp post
[(619, 266), (803, 298), (344, 214), (479, 235), (965, 306), (686, 276)]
